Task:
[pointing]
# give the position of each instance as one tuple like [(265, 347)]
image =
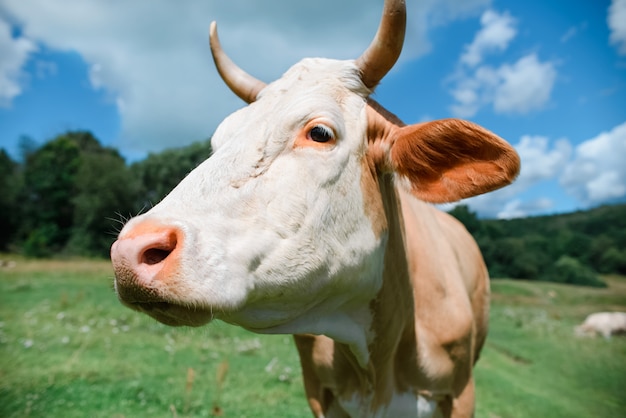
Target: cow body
[(429, 321), (606, 324), (308, 219)]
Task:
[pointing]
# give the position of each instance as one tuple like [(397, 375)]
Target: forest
[(70, 196)]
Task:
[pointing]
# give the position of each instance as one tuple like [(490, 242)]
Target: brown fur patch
[(372, 201)]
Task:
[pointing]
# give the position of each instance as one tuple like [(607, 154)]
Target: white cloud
[(593, 173), (521, 87), (518, 87), (524, 86), (14, 52), (597, 174), (518, 208), (542, 161), (496, 33), (152, 56), (426, 14), (616, 20)]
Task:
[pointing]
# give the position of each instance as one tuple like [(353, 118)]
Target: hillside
[(568, 248)]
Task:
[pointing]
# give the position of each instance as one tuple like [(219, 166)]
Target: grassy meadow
[(69, 349)]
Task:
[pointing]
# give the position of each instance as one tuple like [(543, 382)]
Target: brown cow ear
[(451, 159)]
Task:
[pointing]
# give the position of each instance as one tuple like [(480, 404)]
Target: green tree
[(49, 180), (10, 186), (104, 190), (613, 260), (74, 187), (571, 271), (160, 173), (578, 245), (27, 146), (600, 245), (528, 247), (467, 218)]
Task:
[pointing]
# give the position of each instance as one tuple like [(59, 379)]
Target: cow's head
[(283, 228)]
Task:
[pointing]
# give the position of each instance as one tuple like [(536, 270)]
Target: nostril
[(145, 258), (154, 256), (159, 251)]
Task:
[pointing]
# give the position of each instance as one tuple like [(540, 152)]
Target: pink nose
[(144, 258)]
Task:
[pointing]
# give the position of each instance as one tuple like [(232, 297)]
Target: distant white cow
[(604, 323)]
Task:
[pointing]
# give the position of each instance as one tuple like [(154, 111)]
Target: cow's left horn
[(385, 49), (241, 83)]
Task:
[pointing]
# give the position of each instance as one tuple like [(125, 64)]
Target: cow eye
[(321, 133)]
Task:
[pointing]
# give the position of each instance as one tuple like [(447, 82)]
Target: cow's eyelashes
[(317, 134), (321, 133)]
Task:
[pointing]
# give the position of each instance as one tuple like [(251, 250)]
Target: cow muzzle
[(148, 276)]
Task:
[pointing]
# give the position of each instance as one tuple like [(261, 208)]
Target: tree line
[(572, 248), (71, 195)]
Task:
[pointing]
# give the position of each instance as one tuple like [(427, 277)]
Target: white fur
[(604, 323), (401, 405), (276, 238)]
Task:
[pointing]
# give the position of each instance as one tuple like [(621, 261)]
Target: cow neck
[(392, 352)]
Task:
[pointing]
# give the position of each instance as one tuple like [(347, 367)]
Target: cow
[(606, 324), (314, 216)]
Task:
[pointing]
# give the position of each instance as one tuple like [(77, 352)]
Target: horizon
[(549, 77)]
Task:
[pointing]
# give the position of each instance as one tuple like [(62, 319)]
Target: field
[(69, 349)]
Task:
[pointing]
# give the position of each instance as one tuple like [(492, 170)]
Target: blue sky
[(548, 76)]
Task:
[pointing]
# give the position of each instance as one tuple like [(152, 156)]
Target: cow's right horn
[(385, 49), (241, 83)]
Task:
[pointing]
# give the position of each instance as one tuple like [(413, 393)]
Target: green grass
[(69, 349), (535, 366)]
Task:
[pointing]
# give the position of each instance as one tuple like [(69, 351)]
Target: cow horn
[(241, 83), (385, 49)]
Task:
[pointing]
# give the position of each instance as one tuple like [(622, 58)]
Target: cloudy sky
[(548, 76)]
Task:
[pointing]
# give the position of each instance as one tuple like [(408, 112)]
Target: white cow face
[(272, 230), (283, 229)]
